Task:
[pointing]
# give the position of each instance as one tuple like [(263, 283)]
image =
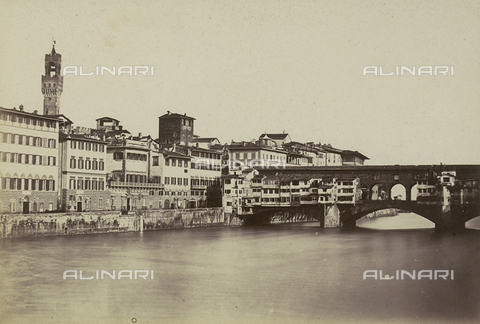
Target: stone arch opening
[(473, 223), (414, 192), (378, 192), (398, 192), (392, 219)]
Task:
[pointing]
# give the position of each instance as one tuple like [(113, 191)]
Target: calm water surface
[(283, 273)]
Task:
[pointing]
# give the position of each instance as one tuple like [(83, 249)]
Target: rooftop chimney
[(168, 112)]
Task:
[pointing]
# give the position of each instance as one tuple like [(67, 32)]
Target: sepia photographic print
[(221, 161)]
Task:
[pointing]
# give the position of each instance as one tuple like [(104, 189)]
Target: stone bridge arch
[(349, 215)]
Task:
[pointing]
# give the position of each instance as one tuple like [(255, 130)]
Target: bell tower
[(52, 83)]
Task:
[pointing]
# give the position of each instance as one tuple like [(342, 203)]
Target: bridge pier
[(346, 216), (450, 219)]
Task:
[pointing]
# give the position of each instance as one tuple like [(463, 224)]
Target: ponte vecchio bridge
[(447, 195)]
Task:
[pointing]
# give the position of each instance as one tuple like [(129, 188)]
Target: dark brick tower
[(175, 129), (52, 83)]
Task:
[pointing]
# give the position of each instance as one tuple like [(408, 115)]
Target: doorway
[(26, 207)]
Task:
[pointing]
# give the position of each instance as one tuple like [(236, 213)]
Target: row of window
[(73, 205), (136, 178), (272, 182), (28, 158), (429, 190), (27, 120), (175, 162), (118, 156), (345, 198), (283, 199), (86, 184), (206, 155), (204, 182), (286, 199), (136, 157), (259, 155), (28, 140), (187, 122), (206, 166), (174, 193), (168, 162), (27, 184), (276, 191), (87, 146), (228, 181), (176, 181), (345, 183), (228, 191), (336, 158), (36, 207), (87, 164)]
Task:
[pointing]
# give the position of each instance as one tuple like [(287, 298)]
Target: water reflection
[(292, 273)]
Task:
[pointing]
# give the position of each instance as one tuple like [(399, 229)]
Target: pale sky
[(245, 67)]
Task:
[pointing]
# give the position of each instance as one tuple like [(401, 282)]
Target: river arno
[(283, 273)]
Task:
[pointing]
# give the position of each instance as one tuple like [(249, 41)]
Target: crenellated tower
[(52, 83)]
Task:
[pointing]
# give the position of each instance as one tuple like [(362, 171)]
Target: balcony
[(135, 185), (270, 186)]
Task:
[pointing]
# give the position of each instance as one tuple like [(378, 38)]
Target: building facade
[(245, 155), (83, 175), (28, 162)]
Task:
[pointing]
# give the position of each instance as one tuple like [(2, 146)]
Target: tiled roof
[(275, 136), (107, 118), (356, 153), (204, 139), (24, 113), (175, 115), (175, 154)]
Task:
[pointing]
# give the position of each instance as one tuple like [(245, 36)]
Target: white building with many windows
[(176, 173), (28, 161), (83, 174)]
